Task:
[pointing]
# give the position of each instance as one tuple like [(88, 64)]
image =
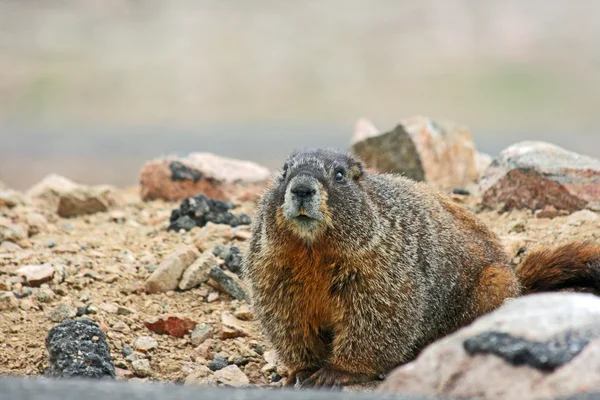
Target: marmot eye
[(339, 176)]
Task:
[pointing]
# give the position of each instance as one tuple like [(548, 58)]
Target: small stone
[(170, 325), (22, 293), (51, 243), (233, 260), (124, 311), (127, 350), (37, 223), (12, 232), (10, 198), (122, 374), (212, 297), (35, 275), (578, 218), (110, 308), (221, 251), (244, 313), (197, 273), (10, 247), (242, 235), (8, 301), (240, 361), (200, 334), (26, 305), (231, 376), (121, 327), (169, 272), (5, 287), (202, 376), (92, 309), (270, 357), (275, 377), (203, 351), (228, 282), (218, 363), (145, 343), (141, 368), (233, 327), (62, 312), (45, 294), (81, 311), (461, 191), (550, 212)]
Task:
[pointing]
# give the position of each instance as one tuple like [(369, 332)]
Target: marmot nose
[(303, 191)]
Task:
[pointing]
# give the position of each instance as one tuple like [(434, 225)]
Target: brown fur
[(391, 267)]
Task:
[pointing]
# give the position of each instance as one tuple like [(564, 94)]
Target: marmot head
[(319, 189)]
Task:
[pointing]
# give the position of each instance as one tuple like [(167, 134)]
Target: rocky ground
[(100, 264)]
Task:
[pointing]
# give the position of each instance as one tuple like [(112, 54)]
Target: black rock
[(199, 210), (258, 349), (233, 260), (81, 311), (545, 356), (221, 251), (181, 172), (228, 283), (461, 191), (217, 363), (78, 348), (24, 292), (275, 377)]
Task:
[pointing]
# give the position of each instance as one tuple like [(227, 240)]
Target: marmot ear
[(356, 169)]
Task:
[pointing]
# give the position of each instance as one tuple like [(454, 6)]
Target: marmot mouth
[(303, 218)]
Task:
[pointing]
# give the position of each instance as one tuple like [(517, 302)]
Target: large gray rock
[(535, 175), (439, 152), (540, 346)]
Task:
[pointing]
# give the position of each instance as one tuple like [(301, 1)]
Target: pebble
[(212, 297), (228, 282), (218, 363), (233, 327), (201, 376), (168, 274), (170, 325), (141, 368), (45, 294), (127, 350), (10, 247), (8, 301), (233, 260), (145, 343), (200, 334), (244, 313), (51, 243), (62, 312), (35, 275), (231, 376), (197, 273), (26, 305), (121, 327)]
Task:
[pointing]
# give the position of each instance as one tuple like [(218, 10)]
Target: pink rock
[(35, 275), (363, 129), (439, 152), (218, 177), (536, 175), (170, 325)]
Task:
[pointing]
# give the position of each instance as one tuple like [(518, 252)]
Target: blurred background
[(90, 89)]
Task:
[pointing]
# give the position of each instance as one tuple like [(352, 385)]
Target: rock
[(537, 346), (170, 325), (218, 177), (145, 344), (533, 175), (233, 327), (12, 232), (231, 376), (69, 199), (197, 273), (550, 212), (10, 247), (244, 313), (218, 363), (78, 349), (35, 275), (37, 223), (201, 210), (62, 312), (439, 152), (204, 349), (363, 129), (201, 333), (8, 301), (10, 198), (221, 251), (212, 297), (202, 376), (233, 260), (166, 277), (121, 326), (141, 368), (580, 217), (228, 282), (45, 295)]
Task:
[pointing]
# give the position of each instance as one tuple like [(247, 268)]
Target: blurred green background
[(91, 89)]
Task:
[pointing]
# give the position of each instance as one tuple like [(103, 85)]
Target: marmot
[(352, 273)]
